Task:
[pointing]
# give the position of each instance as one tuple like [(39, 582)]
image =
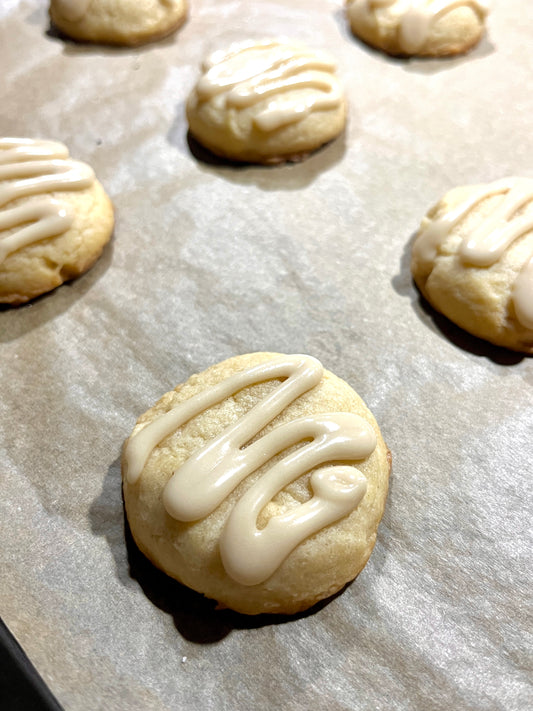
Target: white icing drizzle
[(488, 242), (417, 16), (291, 80), (71, 10), (203, 482), (34, 167), (523, 295)]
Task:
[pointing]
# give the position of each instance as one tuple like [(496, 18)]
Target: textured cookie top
[(286, 82), (55, 218), (473, 260), (259, 482), (125, 22), (486, 242), (71, 10), (414, 27), (210, 474), (32, 169), (266, 99)]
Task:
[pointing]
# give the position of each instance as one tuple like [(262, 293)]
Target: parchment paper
[(210, 260)]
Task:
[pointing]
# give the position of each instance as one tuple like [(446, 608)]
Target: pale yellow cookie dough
[(189, 551), (266, 102), (483, 300), (121, 22), (39, 267), (432, 28)]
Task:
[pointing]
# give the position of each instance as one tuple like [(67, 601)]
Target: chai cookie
[(433, 28), (55, 218), (266, 102), (122, 22), (259, 482), (473, 260)]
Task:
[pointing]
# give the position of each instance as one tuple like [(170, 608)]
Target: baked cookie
[(55, 218), (473, 260), (266, 102), (123, 22), (259, 483), (432, 28)]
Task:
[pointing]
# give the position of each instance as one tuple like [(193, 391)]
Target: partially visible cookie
[(473, 260), (266, 102), (55, 218), (259, 482), (433, 28), (122, 22)]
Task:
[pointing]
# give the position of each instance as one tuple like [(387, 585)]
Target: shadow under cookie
[(404, 285), (197, 618), (463, 339), (75, 47), (15, 321), (288, 175)]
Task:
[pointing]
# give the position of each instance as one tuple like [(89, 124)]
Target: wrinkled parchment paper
[(210, 260)]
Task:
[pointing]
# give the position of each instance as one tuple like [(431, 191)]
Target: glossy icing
[(206, 479), (488, 242), (289, 80), (416, 17), (31, 167)]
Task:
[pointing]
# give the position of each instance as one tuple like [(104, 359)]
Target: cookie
[(55, 218), (472, 259), (432, 28), (121, 22), (266, 102), (259, 483)]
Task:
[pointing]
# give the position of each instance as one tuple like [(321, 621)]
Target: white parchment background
[(210, 260)]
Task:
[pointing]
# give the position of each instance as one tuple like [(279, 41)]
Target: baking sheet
[(210, 260)]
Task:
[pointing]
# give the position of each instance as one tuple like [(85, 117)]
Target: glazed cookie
[(55, 218), (473, 260), (124, 22), (266, 102), (259, 483), (432, 28)]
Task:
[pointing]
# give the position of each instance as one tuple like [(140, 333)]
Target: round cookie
[(432, 28), (122, 22), (55, 218), (266, 102), (259, 482), (472, 259)]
